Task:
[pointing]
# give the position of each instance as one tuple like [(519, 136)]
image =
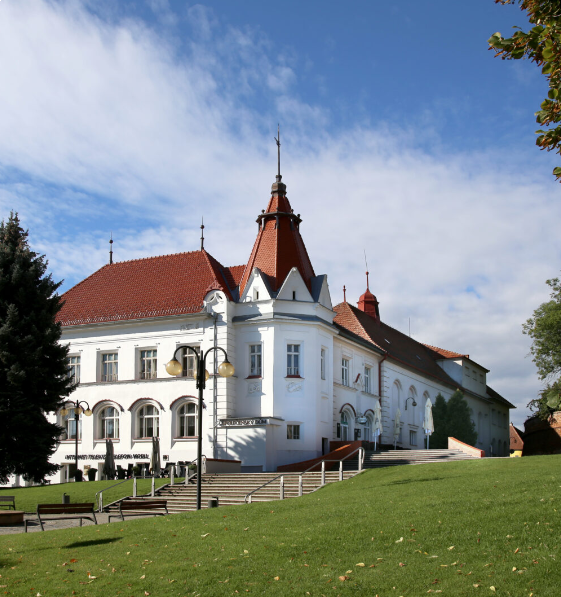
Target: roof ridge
[(153, 257), (440, 350)]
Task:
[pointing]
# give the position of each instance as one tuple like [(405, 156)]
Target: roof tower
[(278, 246)]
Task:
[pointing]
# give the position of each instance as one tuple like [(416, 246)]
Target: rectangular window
[(345, 371), (322, 363), (293, 432), (74, 369), (148, 364), (368, 380), (255, 360), (494, 417), (412, 438), (293, 360), (189, 361), (110, 367)]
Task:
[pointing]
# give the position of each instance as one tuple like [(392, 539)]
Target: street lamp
[(78, 410), (225, 369), (410, 398)]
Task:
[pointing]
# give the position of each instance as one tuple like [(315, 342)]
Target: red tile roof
[(279, 246), (152, 287), (398, 346)]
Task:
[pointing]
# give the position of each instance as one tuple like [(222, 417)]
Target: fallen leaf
[(73, 560), (343, 578), (349, 572), (451, 547), (492, 588), (476, 585), (517, 550), (205, 535), (277, 578), (399, 540), (401, 564), (361, 565), (514, 568), (146, 593), (143, 576)]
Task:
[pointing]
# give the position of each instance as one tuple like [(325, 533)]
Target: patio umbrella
[(155, 457), (428, 424), (109, 464), (396, 427), (378, 429)]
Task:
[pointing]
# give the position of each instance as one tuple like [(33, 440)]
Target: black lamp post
[(410, 398), (226, 369), (77, 406)]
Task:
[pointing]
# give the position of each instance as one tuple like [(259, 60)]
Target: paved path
[(51, 525)]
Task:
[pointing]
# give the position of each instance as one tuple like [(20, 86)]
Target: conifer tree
[(460, 425), (439, 437), (33, 365)]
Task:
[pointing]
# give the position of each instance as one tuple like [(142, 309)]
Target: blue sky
[(401, 135)]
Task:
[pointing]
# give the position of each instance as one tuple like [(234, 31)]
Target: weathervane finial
[(366, 263), (111, 249), (277, 139), (202, 234)]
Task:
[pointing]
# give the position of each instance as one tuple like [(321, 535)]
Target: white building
[(307, 373)]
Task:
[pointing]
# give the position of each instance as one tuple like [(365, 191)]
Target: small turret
[(369, 303)]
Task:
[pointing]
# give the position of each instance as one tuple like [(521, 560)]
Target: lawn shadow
[(406, 481), (92, 542)]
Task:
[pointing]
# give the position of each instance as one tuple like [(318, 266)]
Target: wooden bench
[(68, 512), (133, 507), (4, 499)]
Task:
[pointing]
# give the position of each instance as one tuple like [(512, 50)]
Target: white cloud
[(108, 125)]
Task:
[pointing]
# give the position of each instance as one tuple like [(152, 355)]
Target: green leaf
[(557, 171), (547, 68), (547, 54), (553, 93)]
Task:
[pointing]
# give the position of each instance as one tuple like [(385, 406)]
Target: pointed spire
[(368, 302), (279, 188), (277, 139), (202, 234), (111, 249), (278, 247), (344, 294)]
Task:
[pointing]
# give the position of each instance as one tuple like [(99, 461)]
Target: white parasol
[(428, 423), (378, 429)]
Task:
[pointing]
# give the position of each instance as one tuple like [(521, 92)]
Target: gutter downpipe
[(215, 393)]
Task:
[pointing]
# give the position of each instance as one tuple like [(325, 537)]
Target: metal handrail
[(247, 498), (100, 500)]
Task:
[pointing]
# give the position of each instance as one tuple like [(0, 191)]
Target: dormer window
[(294, 295)]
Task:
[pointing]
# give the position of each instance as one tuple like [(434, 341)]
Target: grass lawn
[(27, 498), (485, 527)]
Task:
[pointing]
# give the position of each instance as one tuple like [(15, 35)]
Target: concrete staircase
[(383, 458), (231, 489)]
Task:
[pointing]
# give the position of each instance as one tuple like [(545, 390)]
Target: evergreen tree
[(439, 437), (460, 425), (33, 365)]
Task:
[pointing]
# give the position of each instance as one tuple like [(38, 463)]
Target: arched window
[(396, 395), (68, 422), (108, 423), (148, 421), (187, 420), (344, 427)]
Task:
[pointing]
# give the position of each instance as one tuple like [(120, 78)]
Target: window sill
[(294, 377), (254, 377), (143, 439), (185, 439), (114, 440), (70, 441)]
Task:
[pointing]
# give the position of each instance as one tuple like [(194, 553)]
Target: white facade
[(301, 380)]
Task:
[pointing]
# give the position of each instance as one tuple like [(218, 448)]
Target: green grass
[(27, 498), (486, 527)]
